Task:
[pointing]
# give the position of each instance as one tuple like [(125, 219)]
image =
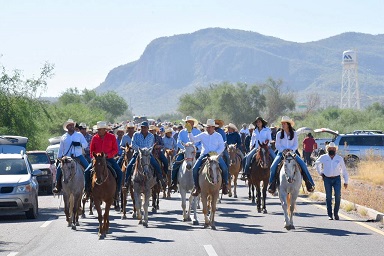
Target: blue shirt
[(126, 139), (169, 143), (234, 138), (222, 133), (118, 141), (183, 137), (138, 140)]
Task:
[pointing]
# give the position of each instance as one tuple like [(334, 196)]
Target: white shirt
[(66, 142), (332, 167), (209, 143), (286, 143), (262, 136)]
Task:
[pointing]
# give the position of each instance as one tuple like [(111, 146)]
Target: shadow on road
[(330, 231)]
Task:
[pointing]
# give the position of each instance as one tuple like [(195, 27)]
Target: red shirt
[(308, 144), (108, 145)]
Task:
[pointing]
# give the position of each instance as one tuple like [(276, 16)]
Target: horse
[(210, 180), (260, 172), (143, 181), (73, 186), (185, 180), (103, 190), (128, 153), (157, 188), (234, 168), (289, 186), (169, 154)]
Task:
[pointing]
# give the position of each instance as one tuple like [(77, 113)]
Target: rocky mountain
[(171, 66)]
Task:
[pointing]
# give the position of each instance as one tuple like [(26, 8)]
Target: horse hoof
[(141, 222), (77, 223), (101, 236), (195, 222), (206, 225), (154, 210), (293, 227), (90, 213), (230, 195), (189, 219), (198, 207), (259, 210), (265, 211), (117, 208), (134, 215), (73, 227), (145, 224), (235, 196), (219, 201), (124, 217), (213, 227), (69, 224), (83, 216), (158, 207), (287, 227), (253, 201)]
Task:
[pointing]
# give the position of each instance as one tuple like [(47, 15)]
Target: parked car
[(18, 183), (41, 161)]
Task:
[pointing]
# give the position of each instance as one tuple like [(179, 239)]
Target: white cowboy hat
[(120, 129), (130, 125), (83, 125), (331, 145), (232, 126), (154, 127), (189, 118), (286, 119), (210, 122), (168, 129), (70, 121), (251, 126), (101, 125)]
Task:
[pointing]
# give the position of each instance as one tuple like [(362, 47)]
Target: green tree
[(111, 103)]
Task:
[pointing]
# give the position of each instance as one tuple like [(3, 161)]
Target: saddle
[(204, 163)]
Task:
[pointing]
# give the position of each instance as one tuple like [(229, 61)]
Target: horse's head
[(100, 167), (128, 153), (213, 168), (144, 159), (232, 151), (291, 167), (262, 156), (189, 154), (68, 168)]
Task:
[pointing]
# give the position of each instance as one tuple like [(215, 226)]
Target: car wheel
[(33, 212), (351, 161)]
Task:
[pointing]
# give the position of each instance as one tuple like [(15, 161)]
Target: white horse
[(289, 187), (185, 180), (73, 186)]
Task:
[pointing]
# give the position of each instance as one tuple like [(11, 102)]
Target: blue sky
[(86, 39)]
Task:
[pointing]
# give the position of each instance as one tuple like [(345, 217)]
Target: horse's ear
[(259, 143), (126, 144), (94, 154)]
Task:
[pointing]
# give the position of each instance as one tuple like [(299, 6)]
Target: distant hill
[(171, 66)]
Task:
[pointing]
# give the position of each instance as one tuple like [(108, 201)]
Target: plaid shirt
[(138, 140)]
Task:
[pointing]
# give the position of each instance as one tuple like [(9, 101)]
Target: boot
[(225, 189), (174, 186), (87, 192), (196, 191), (58, 187), (310, 187), (272, 187)]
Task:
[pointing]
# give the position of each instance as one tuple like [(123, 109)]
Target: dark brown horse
[(128, 153), (157, 188), (170, 155), (260, 173), (103, 190)]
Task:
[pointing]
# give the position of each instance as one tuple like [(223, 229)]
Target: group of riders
[(209, 139)]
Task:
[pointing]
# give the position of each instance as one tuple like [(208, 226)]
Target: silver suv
[(18, 184)]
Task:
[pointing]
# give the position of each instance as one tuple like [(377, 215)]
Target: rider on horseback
[(159, 145), (213, 144), (143, 139), (286, 140), (127, 138), (105, 142), (261, 134), (183, 139), (233, 137), (71, 144)]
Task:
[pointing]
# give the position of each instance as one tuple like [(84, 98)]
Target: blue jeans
[(334, 182), (115, 166), (198, 163), (251, 154), (83, 163), (298, 160), (164, 160), (176, 165), (154, 163), (225, 156)]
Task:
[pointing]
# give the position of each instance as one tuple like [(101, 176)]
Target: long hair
[(291, 132)]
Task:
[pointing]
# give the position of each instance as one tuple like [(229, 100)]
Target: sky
[(86, 39)]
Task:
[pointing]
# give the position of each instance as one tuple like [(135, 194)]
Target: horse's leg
[(213, 210), (83, 210), (99, 217), (205, 210), (253, 193), (190, 202), (249, 190), (78, 208), (137, 196), (146, 204), (106, 216), (230, 184), (73, 209), (195, 202), (265, 186), (66, 209), (154, 194), (183, 195), (169, 182), (134, 214), (258, 196), (158, 199), (91, 203), (235, 185), (292, 206), (283, 200)]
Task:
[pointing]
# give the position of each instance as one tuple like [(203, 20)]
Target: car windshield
[(38, 159), (13, 167)]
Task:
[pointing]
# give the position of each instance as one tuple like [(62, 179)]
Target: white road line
[(12, 253), (210, 250), (49, 221)]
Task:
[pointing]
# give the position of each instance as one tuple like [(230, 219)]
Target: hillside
[(171, 66)]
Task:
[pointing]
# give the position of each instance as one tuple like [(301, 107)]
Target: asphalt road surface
[(240, 231)]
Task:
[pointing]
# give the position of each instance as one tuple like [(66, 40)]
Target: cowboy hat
[(219, 122), (232, 126), (262, 121), (210, 122), (120, 129), (189, 118), (331, 145), (153, 128), (168, 129), (101, 125), (70, 121), (251, 127), (130, 125), (286, 119), (82, 126)]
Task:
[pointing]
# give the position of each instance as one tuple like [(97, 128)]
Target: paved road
[(240, 231)]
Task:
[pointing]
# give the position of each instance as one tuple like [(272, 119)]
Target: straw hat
[(286, 119), (70, 121), (331, 145), (251, 127), (168, 129), (153, 128), (189, 118), (130, 125), (101, 125), (210, 122), (232, 126), (219, 122)]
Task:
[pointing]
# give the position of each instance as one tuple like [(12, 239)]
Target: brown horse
[(157, 188), (170, 155), (128, 153), (234, 168), (210, 183), (260, 173), (103, 190)]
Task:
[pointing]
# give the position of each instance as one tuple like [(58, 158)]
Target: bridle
[(290, 157), (102, 166)]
